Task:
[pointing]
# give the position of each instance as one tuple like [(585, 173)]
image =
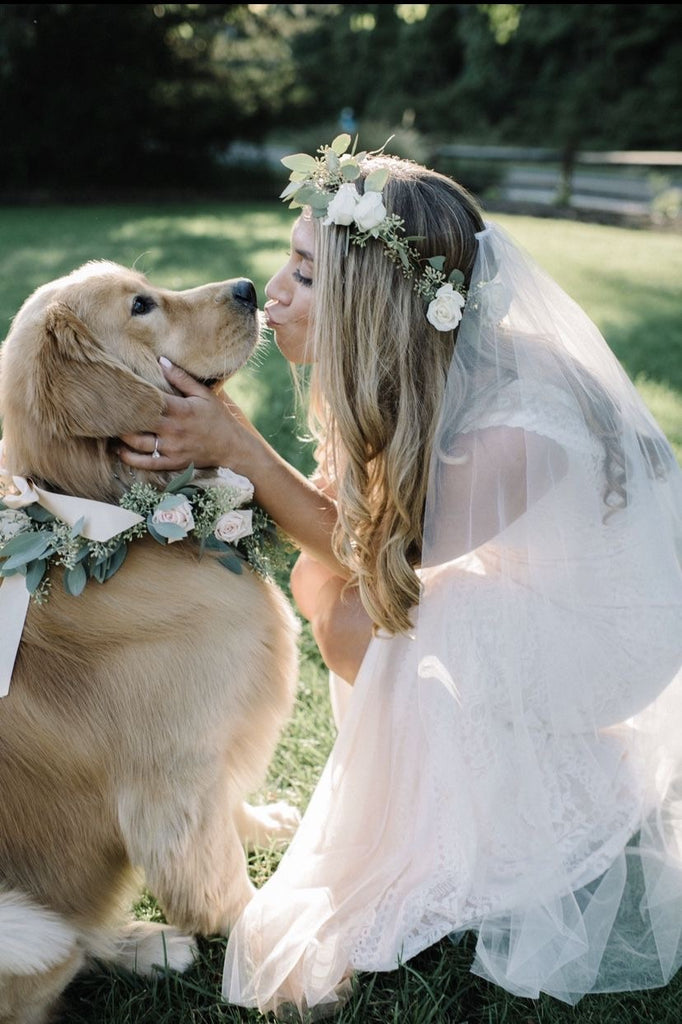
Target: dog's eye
[(142, 304)]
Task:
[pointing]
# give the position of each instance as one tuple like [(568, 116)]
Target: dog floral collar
[(41, 531), (325, 183)]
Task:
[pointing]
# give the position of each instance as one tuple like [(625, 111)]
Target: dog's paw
[(144, 946), (268, 824)]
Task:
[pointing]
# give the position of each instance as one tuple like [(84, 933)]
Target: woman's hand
[(341, 627), (208, 430), (202, 427)]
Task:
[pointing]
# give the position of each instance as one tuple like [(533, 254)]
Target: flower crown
[(325, 184)]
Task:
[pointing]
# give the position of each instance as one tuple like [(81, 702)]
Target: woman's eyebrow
[(304, 254)]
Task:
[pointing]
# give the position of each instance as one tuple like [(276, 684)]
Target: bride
[(491, 563)]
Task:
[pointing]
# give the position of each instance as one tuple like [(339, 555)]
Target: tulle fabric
[(513, 767)]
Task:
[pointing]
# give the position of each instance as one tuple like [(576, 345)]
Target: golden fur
[(141, 713)]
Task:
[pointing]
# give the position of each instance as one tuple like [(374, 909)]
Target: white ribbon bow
[(101, 522)]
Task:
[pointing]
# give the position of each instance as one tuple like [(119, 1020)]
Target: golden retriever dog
[(143, 712)]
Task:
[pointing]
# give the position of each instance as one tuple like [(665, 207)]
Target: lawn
[(628, 281)]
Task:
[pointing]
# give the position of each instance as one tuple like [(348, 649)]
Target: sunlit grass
[(629, 283)]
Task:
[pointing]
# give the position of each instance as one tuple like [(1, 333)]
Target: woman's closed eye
[(301, 279)]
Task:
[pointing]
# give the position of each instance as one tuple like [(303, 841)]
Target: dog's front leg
[(189, 850)]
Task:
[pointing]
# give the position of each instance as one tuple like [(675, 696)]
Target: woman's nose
[(276, 289)]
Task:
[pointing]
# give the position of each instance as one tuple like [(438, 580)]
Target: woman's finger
[(183, 381)]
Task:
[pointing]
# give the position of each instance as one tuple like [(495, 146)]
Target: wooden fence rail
[(631, 183)]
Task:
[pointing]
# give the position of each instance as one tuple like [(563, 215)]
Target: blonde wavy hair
[(377, 382)]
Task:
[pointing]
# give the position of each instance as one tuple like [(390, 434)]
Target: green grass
[(627, 280)]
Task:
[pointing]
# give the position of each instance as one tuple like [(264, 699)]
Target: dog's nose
[(244, 291)]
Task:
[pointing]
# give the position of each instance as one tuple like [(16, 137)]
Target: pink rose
[(232, 526), (176, 514)]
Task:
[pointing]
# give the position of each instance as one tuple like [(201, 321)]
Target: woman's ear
[(83, 391)]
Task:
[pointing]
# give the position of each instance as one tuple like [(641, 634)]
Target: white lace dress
[(510, 768)]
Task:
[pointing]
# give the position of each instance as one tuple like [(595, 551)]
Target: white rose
[(445, 310), (13, 522), (179, 515), (341, 209), (226, 478), (370, 211), (232, 526)]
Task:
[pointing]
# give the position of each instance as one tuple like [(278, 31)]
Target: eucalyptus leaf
[(437, 262), (181, 480), (318, 201), (98, 571), (82, 552), (341, 143), (350, 171), (170, 501), (172, 531), (456, 277), (213, 543), (375, 181), (232, 562), (116, 560), (291, 188), (299, 162), (24, 547), (305, 192), (151, 528), (77, 527), (34, 574), (332, 160), (39, 514), (75, 580)]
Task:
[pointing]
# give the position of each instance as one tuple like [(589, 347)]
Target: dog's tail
[(32, 938)]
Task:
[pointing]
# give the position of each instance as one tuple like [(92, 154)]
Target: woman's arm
[(208, 429), (341, 627)]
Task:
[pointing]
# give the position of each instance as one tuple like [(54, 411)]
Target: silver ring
[(156, 454)]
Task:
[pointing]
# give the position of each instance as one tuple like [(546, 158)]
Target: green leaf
[(24, 547), (83, 552), (213, 543), (291, 188), (456, 277), (151, 527), (375, 181), (318, 202), (340, 144), (332, 161), (299, 162), (116, 560), (98, 571), (75, 580), (350, 171), (437, 262), (39, 514), (180, 481), (35, 573), (232, 561), (307, 193), (170, 530), (170, 501)]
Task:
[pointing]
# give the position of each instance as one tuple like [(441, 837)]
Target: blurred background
[(573, 107), (151, 134)]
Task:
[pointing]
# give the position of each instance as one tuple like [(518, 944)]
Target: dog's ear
[(82, 389)]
